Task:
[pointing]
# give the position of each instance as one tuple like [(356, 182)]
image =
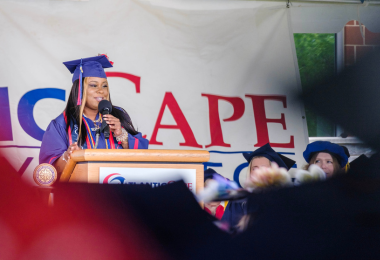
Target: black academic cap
[(351, 99), (210, 173), (267, 152), (289, 162)]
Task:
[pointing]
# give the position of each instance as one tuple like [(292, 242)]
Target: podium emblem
[(45, 174)]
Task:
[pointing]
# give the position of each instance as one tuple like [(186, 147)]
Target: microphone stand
[(97, 138), (104, 128)]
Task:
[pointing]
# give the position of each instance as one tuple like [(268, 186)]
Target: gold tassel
[(84, 97), (347, 167)]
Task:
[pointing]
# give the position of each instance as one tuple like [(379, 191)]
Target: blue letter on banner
[(26, 106), (6, 128), (237, 172)]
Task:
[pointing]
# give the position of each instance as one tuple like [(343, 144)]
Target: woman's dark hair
[(73, 113)]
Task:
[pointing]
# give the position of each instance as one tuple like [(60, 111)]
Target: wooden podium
[(84, 165)]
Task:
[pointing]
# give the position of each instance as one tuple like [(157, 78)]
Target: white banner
[(218, 79)]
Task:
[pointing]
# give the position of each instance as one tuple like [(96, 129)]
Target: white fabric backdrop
[(179, 56)]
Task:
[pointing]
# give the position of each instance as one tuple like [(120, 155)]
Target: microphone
[(105, 108)]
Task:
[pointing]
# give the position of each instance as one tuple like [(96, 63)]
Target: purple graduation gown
[(56, 140)]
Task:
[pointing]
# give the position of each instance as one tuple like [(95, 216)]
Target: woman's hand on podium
[(73, 147), (61, 162)]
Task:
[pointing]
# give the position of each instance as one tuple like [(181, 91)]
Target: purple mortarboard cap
[(92, 67), (88, 67)]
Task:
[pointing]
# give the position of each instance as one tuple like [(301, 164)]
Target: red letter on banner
[(134, 79), (215, 127), (261, 120), (180, 119)]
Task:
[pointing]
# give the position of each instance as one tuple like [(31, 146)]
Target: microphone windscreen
[(104, 105)]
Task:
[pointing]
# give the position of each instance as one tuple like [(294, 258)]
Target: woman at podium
[(81, 125)]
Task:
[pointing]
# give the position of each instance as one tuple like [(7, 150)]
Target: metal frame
[(356, 2)]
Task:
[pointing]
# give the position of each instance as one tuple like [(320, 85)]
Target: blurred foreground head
[(337, 218), (79, 227), (351, 99)]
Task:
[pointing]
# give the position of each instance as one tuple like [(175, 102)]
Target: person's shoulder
[(59, 120), (56, 125)]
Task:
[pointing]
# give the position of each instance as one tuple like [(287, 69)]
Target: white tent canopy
[(313, 16), (331, 17)]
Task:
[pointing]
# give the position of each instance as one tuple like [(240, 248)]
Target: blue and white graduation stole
[(91, 135), (72, 133)]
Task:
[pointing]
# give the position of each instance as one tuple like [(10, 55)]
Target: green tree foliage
[(316, 62)]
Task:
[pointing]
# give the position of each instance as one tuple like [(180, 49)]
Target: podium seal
[(45, 174)]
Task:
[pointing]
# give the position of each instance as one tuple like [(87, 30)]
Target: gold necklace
[(96, 121)]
